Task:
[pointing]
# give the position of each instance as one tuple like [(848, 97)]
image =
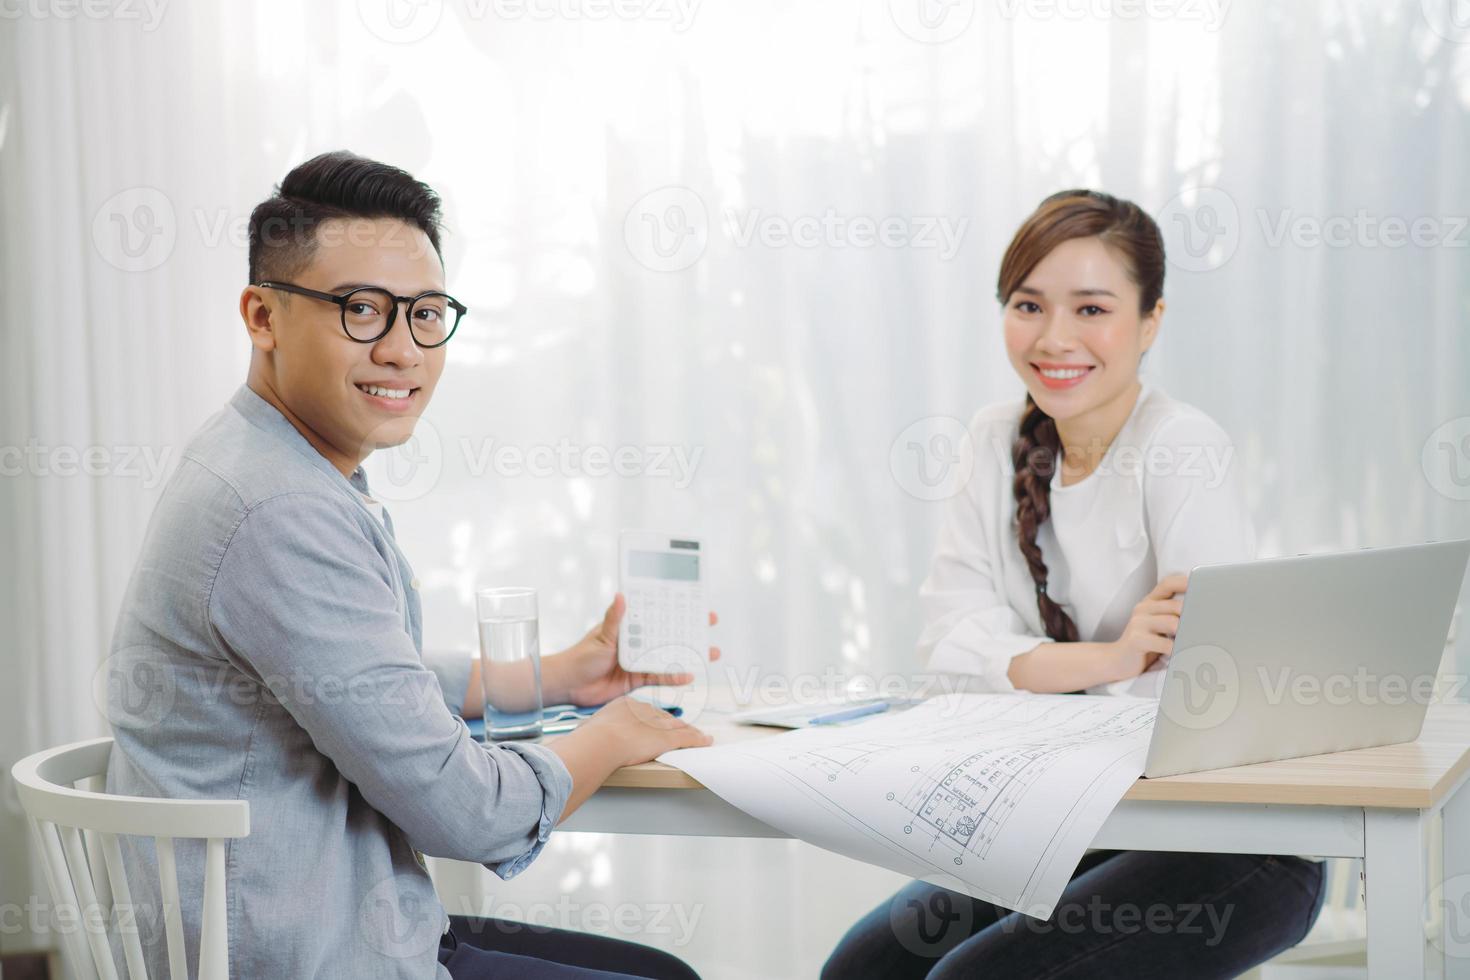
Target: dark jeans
[(1133, 914), (475, 949)]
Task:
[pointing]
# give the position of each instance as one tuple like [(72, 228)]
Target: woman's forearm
[(1056, 668)]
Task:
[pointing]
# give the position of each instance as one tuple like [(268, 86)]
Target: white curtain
[(759, 238)]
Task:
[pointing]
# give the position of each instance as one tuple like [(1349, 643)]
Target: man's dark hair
[(333, 185)]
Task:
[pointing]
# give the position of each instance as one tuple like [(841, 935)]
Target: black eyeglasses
[(368, 312)]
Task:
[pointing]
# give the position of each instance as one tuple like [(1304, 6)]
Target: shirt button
[(414, 585)]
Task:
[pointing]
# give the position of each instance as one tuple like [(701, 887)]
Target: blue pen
[(847, 714)]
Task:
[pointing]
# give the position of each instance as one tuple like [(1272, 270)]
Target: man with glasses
[(269, 644)]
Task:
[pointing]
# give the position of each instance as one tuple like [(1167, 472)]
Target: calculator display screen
[(661, 564)]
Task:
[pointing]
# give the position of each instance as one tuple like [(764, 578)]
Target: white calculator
[(667, 619)]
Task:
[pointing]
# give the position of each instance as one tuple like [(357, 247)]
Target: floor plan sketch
[(994, 795)]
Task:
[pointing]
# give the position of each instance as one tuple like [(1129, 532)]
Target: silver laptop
[(1286, 657)]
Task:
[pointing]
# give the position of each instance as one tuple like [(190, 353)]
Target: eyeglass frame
[(341, 300)]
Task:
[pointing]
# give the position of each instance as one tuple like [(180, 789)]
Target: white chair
[(77, 829)]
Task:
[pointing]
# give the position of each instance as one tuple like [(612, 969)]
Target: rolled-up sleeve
[(303, 602)]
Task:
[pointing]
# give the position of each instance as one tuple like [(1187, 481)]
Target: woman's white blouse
[(1165, 498)]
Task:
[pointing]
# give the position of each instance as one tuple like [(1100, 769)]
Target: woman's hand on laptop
[(1149, 635), (588, 673)]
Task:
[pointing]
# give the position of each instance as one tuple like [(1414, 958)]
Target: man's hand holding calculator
[(667, 626)]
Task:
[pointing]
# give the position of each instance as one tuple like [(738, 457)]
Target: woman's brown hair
[(1126, 227)]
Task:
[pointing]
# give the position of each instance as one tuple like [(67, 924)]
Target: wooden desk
[(1374, 804)]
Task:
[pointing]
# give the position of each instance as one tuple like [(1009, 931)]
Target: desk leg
[(1453, 896), (1394, 866)]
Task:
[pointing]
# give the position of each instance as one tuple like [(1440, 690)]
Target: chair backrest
[(77, 829)]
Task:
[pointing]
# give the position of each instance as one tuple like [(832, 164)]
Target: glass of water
[(510, 663)]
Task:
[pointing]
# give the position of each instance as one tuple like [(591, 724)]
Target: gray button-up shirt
[(269, 649)]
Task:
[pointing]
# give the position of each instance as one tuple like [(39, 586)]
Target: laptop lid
[(1286, 657)]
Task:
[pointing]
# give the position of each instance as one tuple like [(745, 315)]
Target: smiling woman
[(1082, 286)]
